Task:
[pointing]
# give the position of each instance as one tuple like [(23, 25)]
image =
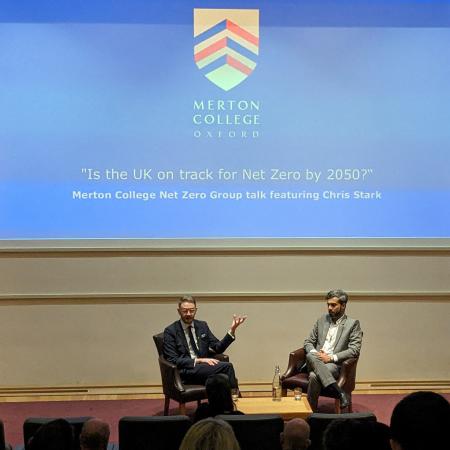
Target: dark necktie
[(191, 338)]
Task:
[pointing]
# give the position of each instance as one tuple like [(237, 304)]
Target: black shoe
[(344, 399)]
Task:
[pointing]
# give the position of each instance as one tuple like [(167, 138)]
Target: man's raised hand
[(237, 320)]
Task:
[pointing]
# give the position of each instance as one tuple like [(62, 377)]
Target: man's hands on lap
[(325, 357), (209, 361)]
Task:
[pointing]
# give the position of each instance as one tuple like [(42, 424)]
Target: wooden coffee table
[(288, 408)]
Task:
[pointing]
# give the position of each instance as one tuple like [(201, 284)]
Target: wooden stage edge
[(80, 393)]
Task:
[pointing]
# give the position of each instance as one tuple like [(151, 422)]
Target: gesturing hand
[(237, 320)]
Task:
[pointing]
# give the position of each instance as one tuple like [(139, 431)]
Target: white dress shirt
[(330, 340), (186, 334)]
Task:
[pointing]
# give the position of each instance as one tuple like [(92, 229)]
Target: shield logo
[(226, 44)]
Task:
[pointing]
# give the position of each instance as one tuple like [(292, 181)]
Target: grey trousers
[(321, 375)]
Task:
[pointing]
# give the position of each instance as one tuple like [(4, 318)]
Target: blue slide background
[(341, 85)]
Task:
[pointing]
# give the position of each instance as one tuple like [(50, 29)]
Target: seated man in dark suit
[(334, 338), (189, 342)]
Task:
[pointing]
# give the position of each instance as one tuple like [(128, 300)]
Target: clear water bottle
[(276, 385)]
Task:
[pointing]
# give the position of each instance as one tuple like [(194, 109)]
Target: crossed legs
[(201, 372), (321, 375)]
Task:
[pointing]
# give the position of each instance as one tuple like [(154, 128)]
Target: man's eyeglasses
[(186, 311)]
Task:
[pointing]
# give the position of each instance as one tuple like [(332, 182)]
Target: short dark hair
[(420, 420), (356, 434), (187, 299), (218, 390), (94, 435), (54, 435), (341, 295)]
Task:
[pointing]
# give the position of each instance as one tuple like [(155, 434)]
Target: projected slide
[(196, 121)]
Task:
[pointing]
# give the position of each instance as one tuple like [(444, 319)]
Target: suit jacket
[(176, 349), (348, 339)]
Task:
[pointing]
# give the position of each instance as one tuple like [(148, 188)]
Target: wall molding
[(229, 297), (131, 251)]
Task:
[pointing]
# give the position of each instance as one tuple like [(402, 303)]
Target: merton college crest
[(226, 44)]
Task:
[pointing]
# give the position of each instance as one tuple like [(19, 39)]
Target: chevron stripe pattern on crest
[(226, 53)]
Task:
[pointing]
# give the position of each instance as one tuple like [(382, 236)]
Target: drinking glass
[(298, 393)]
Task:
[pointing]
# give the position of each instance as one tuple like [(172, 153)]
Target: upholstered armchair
[(152, 432), (318, 423), (296, 376), (173, 386), (256, 431)]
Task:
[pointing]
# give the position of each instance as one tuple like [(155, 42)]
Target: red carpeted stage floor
[(14, 414)]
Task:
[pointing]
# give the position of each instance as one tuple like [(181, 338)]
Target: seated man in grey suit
[(188, 344), (334, 338)]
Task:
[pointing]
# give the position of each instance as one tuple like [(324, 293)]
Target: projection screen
[(178, 124)]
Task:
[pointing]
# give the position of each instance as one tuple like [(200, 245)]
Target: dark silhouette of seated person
[(355, 434), (54, 435), (94, 435), (420, 421), (220, 401)]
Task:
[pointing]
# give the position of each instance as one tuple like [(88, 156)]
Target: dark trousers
[(199, 373)]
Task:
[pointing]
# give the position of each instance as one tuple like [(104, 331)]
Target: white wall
[(86, 318)]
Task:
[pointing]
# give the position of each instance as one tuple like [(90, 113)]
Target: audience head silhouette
[(420, 421), (355, 434), (295, 435), (94, 435), (54, 435), (218, 390), (210, 434)]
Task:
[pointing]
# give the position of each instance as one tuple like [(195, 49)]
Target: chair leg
[(182, 409), (337, 406), (166, 405)]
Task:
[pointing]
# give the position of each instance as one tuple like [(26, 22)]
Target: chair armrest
[(347, 376), (170, 375), (296, 360)]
